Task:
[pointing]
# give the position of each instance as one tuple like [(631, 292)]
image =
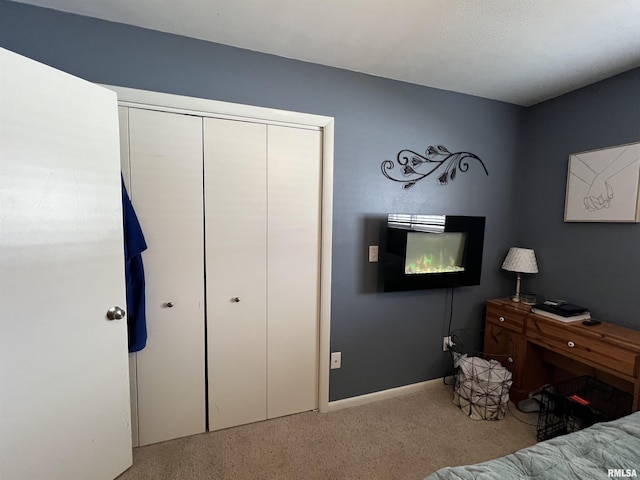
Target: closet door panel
[(235, 227), (123, 120), (294, 179), (166, 191)]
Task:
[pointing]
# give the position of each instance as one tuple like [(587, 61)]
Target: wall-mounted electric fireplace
[(432, 251)]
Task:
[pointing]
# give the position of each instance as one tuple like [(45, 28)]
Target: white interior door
[(165, 167), (64, 397), (236, 234)]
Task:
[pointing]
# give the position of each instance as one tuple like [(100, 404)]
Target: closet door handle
[(115, 313), (169, 304), (235, 299)]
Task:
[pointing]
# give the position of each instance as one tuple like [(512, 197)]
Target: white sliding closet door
[(236, 270), (294, 186), (165, 151)]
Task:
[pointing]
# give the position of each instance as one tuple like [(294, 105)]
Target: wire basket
[(481, 388), (579, 403)]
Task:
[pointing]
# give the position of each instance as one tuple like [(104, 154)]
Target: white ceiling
[(517, 51)]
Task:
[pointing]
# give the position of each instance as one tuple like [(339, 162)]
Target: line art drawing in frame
[(604, 185)]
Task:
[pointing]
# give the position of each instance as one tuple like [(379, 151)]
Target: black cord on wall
[(452, 345)]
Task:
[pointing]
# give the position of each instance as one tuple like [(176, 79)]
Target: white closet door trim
[(214, 108), (167, 102)]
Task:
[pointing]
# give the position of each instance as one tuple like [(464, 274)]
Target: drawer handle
[(501, 319), (571, 344), (510, 359)]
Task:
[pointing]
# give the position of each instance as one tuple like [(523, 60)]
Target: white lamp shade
[(521, 260)]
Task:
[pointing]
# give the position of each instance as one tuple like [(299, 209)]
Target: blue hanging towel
[(134, 245)]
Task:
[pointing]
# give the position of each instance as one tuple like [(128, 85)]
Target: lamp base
[(516, 297)]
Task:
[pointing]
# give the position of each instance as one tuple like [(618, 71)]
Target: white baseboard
[(382, 395)]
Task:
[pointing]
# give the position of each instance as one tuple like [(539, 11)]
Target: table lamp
[(520, 260)]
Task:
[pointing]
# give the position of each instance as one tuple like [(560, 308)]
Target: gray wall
[(592, 264), (386, 339)]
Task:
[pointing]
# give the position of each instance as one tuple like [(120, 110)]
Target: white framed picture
[(604, 185)]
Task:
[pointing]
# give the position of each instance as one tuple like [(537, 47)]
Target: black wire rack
[(579, 403)]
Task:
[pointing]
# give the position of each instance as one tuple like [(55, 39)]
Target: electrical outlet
[(336, 360), (373, 253), (447, 343)]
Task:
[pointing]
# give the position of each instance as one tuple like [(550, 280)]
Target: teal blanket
[(604, 450)]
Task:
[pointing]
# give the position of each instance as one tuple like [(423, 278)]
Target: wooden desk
[(539, 350)]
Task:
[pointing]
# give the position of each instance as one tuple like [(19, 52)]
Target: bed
[(604, 450)]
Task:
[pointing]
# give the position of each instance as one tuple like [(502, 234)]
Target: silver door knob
[(115, 313), (169, 304), (235, 299)]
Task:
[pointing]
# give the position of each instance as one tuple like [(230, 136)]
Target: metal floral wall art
[(415, 167)]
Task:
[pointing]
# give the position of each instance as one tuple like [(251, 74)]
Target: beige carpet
[(402, 438)]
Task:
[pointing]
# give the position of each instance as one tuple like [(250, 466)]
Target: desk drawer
[(505, 318), (505, 346), (591, 350)]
